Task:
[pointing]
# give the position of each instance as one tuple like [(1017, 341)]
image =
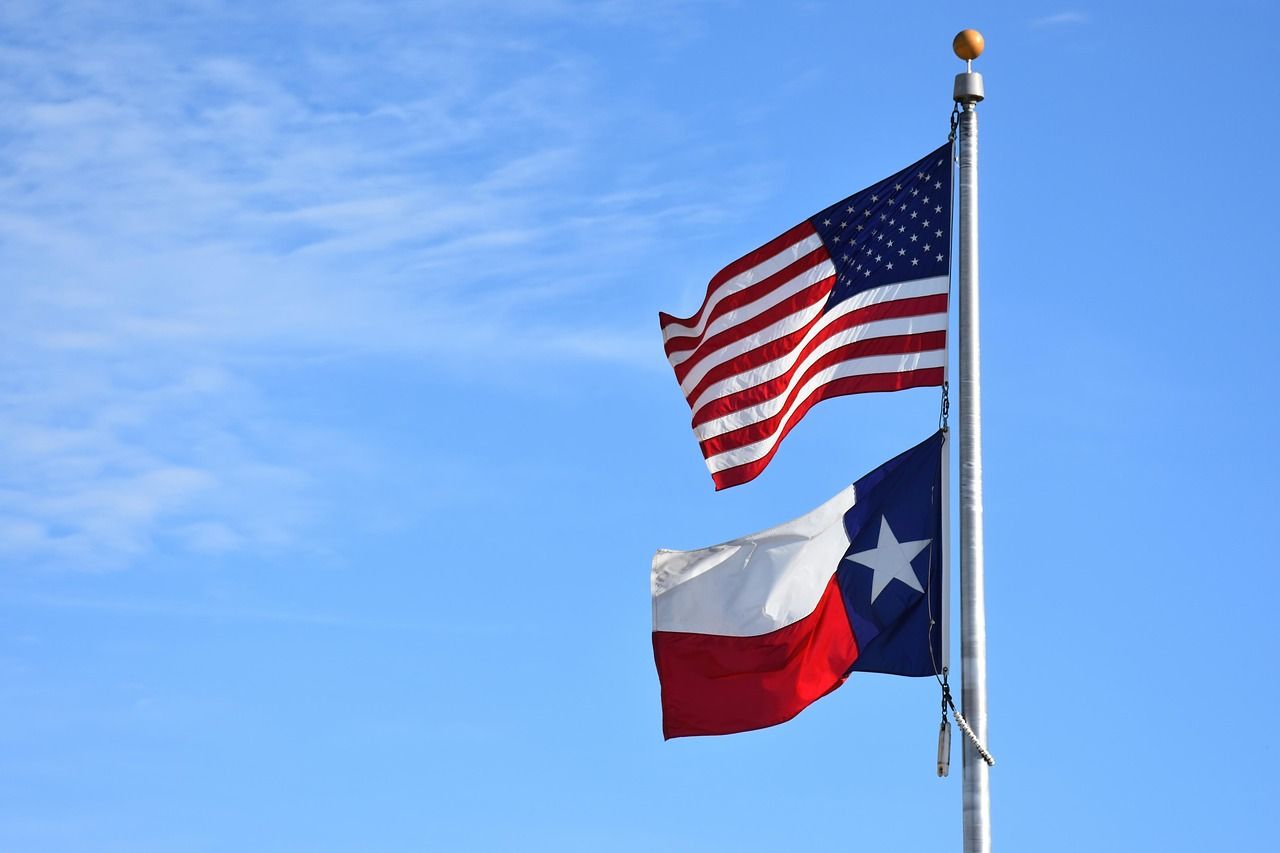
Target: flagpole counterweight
[(968, 91)]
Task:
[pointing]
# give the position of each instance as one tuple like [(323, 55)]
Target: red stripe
[(714, 685), (750, 294), (814, 294), (837, 388), (742, 264), (766, 391), (776, 349)]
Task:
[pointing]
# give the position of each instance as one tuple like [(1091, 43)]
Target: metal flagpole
[(973, 619)]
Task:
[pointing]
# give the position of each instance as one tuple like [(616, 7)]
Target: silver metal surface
[(968, 88), (973, 617)]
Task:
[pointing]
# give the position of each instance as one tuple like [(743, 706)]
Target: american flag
[(852, 300)]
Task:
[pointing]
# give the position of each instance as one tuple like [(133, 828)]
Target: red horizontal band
[(715, 685)]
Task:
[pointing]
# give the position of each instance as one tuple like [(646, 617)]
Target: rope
[(973, 738), (948, 702)]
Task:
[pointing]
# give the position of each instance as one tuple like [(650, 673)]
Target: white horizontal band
[(752, 585)]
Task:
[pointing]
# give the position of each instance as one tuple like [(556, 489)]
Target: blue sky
[(336, 435)]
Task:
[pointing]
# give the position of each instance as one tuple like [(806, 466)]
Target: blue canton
[(896, 230), (899, 630)]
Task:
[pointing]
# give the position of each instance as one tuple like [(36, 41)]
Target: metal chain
[(946, 400), (944, 734)]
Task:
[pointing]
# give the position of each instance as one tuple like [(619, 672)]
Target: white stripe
[(740, 315), (756, 584), (744, 279), (778, 367), (875, 296), (855, 367)]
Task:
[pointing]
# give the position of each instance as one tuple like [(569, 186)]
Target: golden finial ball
[(968, 44)]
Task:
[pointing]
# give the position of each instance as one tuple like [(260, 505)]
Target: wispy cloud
[(1061, 19), (102, 465), (182, 199)]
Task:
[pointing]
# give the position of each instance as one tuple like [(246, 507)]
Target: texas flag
[(746, 634)]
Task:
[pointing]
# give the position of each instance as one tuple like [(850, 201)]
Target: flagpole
[(973, 619)]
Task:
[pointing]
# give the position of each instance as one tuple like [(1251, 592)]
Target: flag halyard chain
[(944, 731), (944, 406)]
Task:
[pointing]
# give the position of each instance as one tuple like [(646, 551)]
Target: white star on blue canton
[(890, 560)]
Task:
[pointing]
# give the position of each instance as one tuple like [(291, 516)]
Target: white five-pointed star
[(890, 559)]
